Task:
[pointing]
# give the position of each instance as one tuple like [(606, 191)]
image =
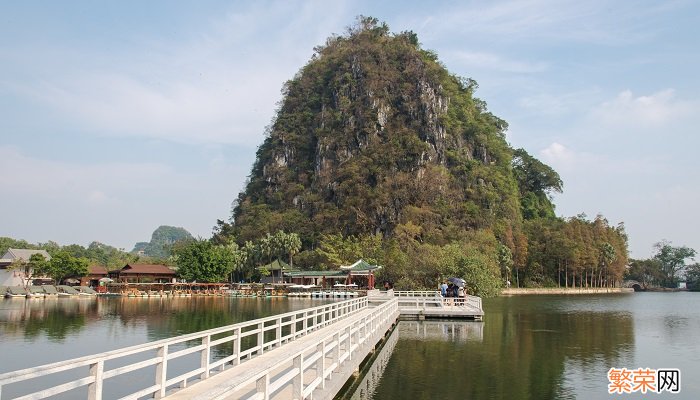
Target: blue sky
[(118, 117)]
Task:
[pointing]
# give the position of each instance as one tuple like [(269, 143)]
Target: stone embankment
[(523, 291)]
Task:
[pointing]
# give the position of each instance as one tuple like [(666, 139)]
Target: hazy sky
[(118, 117)]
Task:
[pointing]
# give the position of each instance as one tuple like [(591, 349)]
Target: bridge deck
[(308, 353), (326, 359)]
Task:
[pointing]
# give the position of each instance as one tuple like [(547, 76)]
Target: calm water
[(544, 347), (35, 332), (538, 347)]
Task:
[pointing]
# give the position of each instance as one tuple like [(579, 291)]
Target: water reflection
[(522, 350), (371, 377), (456, 331), (540, 347), (39, 331), (162, 317), (53, 318)]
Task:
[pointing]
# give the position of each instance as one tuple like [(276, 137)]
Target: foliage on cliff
[(374, 138), (374, 135)]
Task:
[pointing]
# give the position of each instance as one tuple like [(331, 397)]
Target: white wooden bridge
[(306, 354)]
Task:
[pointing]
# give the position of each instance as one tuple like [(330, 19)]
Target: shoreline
[(546, 291)]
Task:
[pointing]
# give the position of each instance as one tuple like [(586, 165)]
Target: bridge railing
[(416, 293), (423, 302), (425, 298), (324, 357), (243, 341)]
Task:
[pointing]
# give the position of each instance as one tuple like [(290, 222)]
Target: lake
[(545, 347), (538, 347)]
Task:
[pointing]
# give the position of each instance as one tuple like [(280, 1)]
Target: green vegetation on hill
[(378, 152), (162, 241), (96, 253)]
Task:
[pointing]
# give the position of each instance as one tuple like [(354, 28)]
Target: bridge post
[(95, 388), (262, 386), (205, 357), (336, 359), (278, 332), (162, 371), (321, 363), (298, 382), (261, 337), (348, 342), (237, 346), (306, 322)]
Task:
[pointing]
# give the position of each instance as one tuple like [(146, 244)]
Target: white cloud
[(28, 176), (115, 203), (656, 109), (220, 86), (552, 20), (558, 154), (97, 197), (556, 104), (495, 62)]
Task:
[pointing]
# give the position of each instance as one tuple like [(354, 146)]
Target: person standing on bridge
[(443, 289)]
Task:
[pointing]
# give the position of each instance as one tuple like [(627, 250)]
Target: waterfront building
[(360, 273), (277, 270), (143, 273), (19, 276), (95, 273)]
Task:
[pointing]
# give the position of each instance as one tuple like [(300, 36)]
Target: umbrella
[(72, 280), (107, 280), (457, 281)]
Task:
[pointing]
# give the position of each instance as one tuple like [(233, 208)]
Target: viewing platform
[(421, 305), (310, 353)]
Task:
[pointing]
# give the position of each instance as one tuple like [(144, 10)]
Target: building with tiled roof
[(17, 276), (143, 273)]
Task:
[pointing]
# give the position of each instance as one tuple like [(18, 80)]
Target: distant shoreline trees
[(666, 268)]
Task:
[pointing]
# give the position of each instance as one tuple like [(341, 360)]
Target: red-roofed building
[(95, 273), (143, 273)]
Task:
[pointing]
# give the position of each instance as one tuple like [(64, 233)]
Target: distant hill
[(162, 241)]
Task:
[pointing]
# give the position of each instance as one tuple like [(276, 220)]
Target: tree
[(536, 181), (647, 272), (35, 267), (287, 244), (505, 261), (607, 256), (672, 260), (692, 276), (339, 250), (202, 261), (480, 271), (63, 265)]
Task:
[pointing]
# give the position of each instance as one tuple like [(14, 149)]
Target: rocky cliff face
[(374, 135)]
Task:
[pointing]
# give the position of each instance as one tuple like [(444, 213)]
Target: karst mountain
[(375, 136)]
